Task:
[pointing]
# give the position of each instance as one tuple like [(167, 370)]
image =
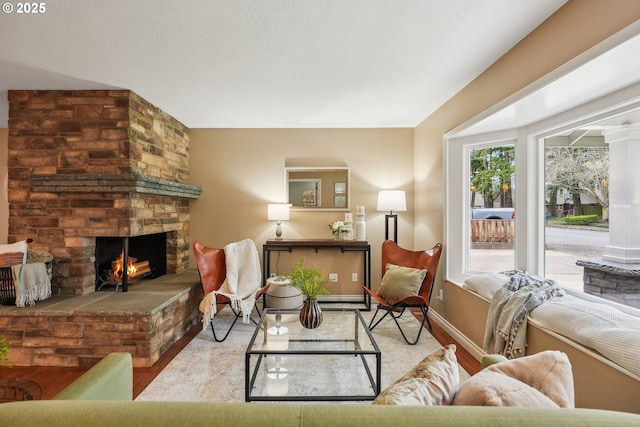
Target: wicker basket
[(7, 289)]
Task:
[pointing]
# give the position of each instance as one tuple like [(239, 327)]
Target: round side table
[(280, 295)]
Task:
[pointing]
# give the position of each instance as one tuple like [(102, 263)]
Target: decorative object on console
[(361, 226), (278, 212), (309, 281), (348, 224), (391, 200), (338, 229)]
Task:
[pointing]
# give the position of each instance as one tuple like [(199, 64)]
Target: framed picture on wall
[(308, 198), (340, 201), (340, 187)]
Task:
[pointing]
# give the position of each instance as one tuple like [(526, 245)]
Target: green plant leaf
[(308, 280), (5, 347)]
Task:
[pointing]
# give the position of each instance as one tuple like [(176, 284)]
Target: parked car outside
[(493, 213)]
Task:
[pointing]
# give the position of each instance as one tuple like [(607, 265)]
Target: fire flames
[(117, 266), (134, 269)]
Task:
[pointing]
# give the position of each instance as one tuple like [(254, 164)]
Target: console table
[(341, 246)]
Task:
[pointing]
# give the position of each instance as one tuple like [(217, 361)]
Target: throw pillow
[(433, 381), (400, 282), (494, 389), (543, 379), (11, 258), (486, 284), (13, 249)]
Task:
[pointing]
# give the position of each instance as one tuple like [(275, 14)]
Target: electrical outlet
[(354, 277), (441, 296), (333, 277)]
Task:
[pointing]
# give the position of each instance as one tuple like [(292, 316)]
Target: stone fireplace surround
[(88, 164)]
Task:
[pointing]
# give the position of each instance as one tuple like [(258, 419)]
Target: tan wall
[(558, 40), (241, 170)]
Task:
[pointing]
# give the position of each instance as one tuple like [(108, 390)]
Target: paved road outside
[(564, 246)]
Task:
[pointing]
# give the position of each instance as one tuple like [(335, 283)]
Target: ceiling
[(610, 69), (267, 64)]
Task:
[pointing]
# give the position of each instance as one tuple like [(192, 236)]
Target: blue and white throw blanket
[(506, 329)]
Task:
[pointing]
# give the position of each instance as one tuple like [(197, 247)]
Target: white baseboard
[(460, 338)]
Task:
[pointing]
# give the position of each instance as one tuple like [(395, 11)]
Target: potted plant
[(309, 281), (4, 352)]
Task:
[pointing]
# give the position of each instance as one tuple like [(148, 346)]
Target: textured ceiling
[(267, 63)]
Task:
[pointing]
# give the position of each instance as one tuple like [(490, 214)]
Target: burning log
[(141, 268), (134, 269)]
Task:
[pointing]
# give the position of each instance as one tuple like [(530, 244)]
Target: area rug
[(206, 370)]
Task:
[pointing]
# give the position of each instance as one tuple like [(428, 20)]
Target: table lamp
[(391, 200), (278, 212)]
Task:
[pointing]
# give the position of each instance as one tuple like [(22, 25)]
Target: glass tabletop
[(342, 330)]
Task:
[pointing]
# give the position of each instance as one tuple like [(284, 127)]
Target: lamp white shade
[(278, 211), (392, 200)]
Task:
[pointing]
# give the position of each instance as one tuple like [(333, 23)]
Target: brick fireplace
[(98, 163), (88, 166)]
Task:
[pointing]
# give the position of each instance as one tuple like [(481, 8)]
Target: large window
[(480, 192), (492, 231), (556, 174), (576, 203)]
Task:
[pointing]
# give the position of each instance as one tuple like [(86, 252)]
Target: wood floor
[(53, 380)]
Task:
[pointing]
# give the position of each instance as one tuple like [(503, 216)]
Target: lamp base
[(395, 227)]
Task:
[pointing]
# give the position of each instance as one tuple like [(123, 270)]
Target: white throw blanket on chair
[(243, 281)]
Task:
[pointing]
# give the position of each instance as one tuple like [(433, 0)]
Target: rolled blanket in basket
[(32, 283)]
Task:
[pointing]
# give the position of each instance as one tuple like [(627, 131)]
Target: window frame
[(529, 200)]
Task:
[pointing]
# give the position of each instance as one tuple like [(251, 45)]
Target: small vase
[(311, 314), (337, 236)]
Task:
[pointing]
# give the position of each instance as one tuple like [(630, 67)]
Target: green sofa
[(103, 397)]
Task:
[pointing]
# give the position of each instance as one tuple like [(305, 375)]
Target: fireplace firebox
[(121, 261)]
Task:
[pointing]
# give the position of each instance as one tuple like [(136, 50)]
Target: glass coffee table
[(339, 360)]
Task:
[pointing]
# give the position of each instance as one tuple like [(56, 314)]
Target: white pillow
[(16, 247), (486, 284), (543, 379)]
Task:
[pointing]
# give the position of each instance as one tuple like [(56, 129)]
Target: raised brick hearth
[(88, 164), (81, 330)]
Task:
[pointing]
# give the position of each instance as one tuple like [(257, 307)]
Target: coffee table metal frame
[(308, 345)]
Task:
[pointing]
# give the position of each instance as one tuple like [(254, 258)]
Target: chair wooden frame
[(394, 254), (212, 268)]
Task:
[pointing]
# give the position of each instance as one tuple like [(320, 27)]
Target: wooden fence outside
[(492, 231)]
